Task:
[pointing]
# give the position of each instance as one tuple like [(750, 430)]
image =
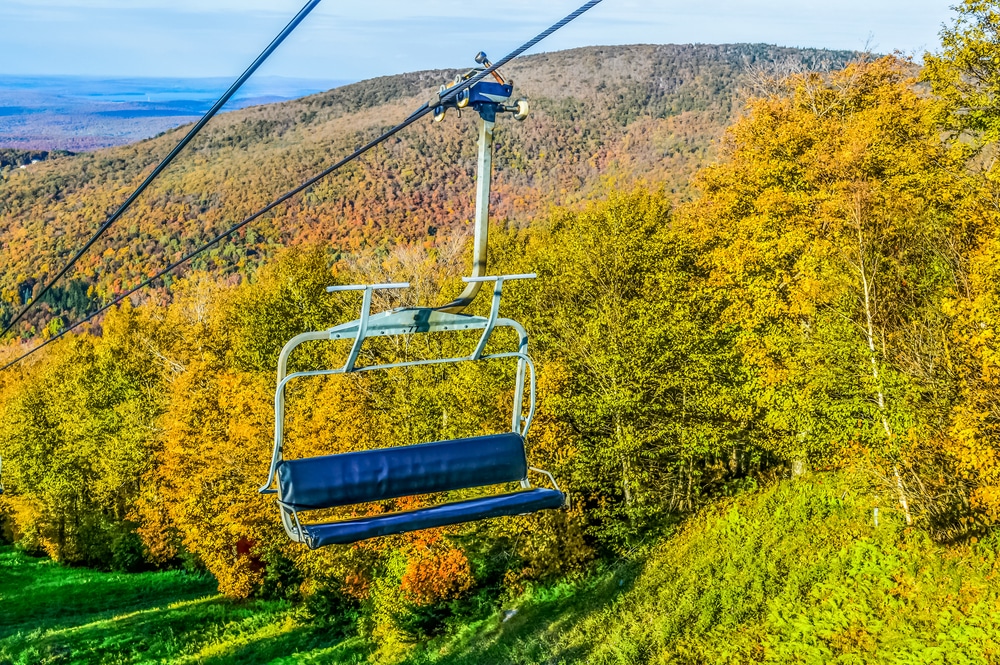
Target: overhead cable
[(418, 114), (216, 107)]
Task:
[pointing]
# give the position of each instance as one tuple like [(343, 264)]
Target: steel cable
[(216, 107), (419, 113)]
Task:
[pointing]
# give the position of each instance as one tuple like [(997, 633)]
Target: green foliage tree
[(76, 438), (646, 395)]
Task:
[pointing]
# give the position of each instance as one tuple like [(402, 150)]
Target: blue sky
[(354, 40)]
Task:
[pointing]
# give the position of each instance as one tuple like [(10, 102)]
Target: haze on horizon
[(353, 41)]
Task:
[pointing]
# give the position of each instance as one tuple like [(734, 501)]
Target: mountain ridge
[(601, 116)]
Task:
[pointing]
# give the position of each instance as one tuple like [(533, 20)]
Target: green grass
[(53, 614), (794, 573)]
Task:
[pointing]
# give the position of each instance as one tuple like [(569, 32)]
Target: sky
[(356, 40)]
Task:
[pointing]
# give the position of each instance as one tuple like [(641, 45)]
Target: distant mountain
[(601, 116), (87, 113)]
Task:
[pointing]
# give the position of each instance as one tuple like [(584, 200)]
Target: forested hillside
[(11, 159), (601, 116)]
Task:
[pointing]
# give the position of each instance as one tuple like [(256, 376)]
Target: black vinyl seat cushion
[(389, 473), (362, 528)]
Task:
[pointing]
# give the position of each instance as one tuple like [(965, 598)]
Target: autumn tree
[(830, 234), (965, 72), (965, 78)]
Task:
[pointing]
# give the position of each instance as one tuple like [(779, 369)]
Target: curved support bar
[(496, 278), (551, 478), (279, 399), (286, 352), (362, 287), (531, 397)]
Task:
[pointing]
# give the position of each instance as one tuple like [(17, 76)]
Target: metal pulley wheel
[(522, 109)]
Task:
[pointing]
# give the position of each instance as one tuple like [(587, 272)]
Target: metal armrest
[(551, 478)]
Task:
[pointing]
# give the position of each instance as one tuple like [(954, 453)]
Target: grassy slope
[(796, 573), (51, 614)]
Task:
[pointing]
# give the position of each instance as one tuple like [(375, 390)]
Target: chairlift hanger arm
[(489, 99)]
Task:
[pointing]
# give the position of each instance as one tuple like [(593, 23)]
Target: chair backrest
[(389, 473)]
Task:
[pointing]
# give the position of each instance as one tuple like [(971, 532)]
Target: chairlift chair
[(388, 473), (361, 477)]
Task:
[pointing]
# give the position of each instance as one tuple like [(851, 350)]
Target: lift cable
[(427, 108), (166, 160)]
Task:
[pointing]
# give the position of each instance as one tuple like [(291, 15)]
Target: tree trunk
[(626, 487), (735, 462), (690, 502), (866, 287), (799, 467), (626, 471)]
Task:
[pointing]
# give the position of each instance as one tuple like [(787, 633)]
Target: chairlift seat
[(353, 530), (388, 473)]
